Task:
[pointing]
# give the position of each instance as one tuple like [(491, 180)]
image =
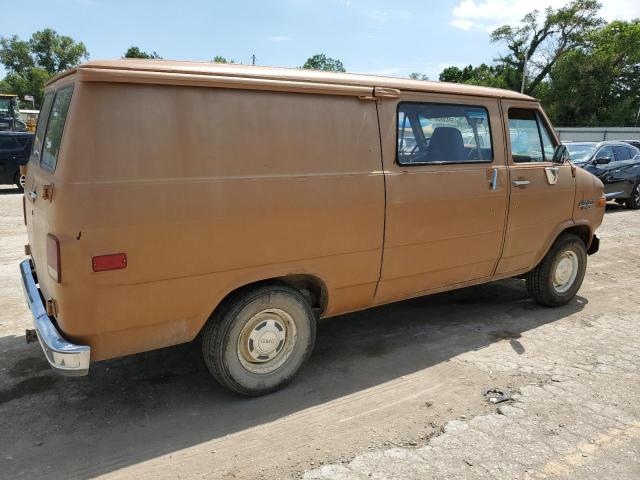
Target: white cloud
[(489, 14), (380, 16), (278, 38), (620, 9)]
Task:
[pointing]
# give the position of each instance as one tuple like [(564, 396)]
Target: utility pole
[(253, 59), (524, 70)]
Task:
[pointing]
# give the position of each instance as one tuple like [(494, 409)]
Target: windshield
[(9, 107), (580, 152), (10, 115)]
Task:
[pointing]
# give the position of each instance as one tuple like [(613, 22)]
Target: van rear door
[(40, 184)]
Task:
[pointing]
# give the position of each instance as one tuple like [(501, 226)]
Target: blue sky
[(374, 36)]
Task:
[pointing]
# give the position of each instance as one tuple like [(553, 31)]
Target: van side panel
[(207, 190)]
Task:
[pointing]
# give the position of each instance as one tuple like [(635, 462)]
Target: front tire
[(633, 202), (558, 277), (259, 339)]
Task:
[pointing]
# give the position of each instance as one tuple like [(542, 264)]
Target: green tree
[(498, 76), (56, 53), (135, 52), (322, 62), (418, 76), (30, 63), (542, 42), (598, 84), (221, 59), (16, 54)]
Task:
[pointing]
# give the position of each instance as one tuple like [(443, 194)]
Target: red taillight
[(114, 261), (53, 258)]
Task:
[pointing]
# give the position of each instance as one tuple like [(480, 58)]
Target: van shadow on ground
[(130, 404)]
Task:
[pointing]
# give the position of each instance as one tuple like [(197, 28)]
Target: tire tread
[(537, 280), (214, 335)]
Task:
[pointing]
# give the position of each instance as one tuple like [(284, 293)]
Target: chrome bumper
[(66, 358)]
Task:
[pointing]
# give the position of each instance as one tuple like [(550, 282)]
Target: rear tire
[(558, 277), (258, 340), (633, 202)]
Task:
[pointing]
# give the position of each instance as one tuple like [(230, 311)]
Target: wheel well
[(311, 287), (582, 231)]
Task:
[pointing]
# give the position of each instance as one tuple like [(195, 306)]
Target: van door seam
[(506, 138), (384, 218)]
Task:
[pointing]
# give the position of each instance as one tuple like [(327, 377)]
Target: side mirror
[(602, 160), (560, 155)]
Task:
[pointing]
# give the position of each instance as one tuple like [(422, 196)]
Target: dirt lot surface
[(394, 392)]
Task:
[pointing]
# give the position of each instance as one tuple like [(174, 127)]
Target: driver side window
[(530, 139)]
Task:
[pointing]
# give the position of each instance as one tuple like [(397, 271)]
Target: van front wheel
[(258, 340), (558, 277)]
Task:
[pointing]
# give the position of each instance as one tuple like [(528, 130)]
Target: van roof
[(164, 70)]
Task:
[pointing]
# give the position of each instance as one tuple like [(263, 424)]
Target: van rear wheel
[(558, 277), (259, 339)]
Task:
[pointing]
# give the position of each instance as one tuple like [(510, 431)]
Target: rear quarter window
[(622, 153), (55, 128), (437, 133), (42, 126)]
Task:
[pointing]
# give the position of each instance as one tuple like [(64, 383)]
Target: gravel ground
[(393, 392)]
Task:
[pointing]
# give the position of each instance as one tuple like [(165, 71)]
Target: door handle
[(521, 183), (493, 183), (552, 175), (33, 194)]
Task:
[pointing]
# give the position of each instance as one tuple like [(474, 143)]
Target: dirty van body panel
[(445, 221), (539, 209), (207, 190)]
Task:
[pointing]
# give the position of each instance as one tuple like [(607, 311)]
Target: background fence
[(597, 134)]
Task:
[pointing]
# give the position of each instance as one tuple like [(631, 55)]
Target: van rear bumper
[(63, 356)]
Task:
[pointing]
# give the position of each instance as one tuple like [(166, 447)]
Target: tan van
[(168, 200)]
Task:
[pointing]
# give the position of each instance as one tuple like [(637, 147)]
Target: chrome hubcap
[(266, 340), (636, 195), (566, 271)]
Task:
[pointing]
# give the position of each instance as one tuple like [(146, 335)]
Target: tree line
[(31, 63), (585, 71)]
